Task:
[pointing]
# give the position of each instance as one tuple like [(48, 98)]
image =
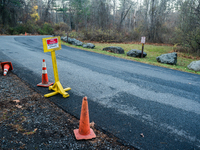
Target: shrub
[(62, 26), (11, 30), (4, 29), (100, 35), (46, 29), (111, 35), (61, 29), (188, 42), (133, 35), (77, 35), (29, 27)]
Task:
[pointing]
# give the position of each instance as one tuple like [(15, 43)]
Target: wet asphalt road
[(125, 98)]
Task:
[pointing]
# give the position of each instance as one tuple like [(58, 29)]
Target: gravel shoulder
[(30, 121)]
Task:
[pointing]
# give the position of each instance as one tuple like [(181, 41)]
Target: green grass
[(152, 51)]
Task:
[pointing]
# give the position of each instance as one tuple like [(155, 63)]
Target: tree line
[(160, 21)]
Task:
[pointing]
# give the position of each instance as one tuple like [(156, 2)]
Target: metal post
[(142, 50), (55, 70), (67, 37)]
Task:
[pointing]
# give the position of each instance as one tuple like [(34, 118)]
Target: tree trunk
[(3, 12), (152, 28), (123, 17), (46, 17)]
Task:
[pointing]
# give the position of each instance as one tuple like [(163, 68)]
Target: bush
[(11, 30), (20, 29), (46, 29), (188, 42), (61, 29), (35, 27), (77, 35), (111, 35), (103, 35), (133, 35), (4, 29), (62, 26), (180, 48), (29, 27)]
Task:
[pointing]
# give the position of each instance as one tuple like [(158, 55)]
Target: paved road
[(126, 98)]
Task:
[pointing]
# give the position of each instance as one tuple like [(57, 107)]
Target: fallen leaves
[(16, 100), (32, 132), (23, 146), (18, 106), (142, 135), (17, 127), (92, 124)]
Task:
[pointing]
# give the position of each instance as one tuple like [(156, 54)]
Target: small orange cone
[(84, 131), (6, 66), (25, 34), (45, 81)]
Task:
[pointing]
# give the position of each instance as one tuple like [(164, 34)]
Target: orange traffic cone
[(84, 131), (45, 81), (6, 66), (25, 34)]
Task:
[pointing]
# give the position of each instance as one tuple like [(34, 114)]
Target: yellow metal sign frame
[(45, 45), (57, 87)]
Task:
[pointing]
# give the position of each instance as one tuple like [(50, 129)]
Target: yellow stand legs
[(57, 87)]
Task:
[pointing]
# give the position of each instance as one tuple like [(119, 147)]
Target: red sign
[(51, 44), (52, 41)]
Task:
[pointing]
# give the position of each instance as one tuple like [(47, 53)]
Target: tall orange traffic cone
[(6, 66), (84, 131), (25, 34), (45, 81)]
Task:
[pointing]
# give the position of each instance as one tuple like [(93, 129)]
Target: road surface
[(126, 98)]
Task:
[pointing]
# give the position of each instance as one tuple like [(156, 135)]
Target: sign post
[(52, 44), (143, 42)]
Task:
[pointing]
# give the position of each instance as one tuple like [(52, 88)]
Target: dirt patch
[(30, 121)]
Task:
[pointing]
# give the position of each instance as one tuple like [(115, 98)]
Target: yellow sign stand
[(52, 44)]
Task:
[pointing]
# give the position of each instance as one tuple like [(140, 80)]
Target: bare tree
[(190, 24), (125, 8)]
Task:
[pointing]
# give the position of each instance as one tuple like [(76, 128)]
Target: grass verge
[(152, 51)]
